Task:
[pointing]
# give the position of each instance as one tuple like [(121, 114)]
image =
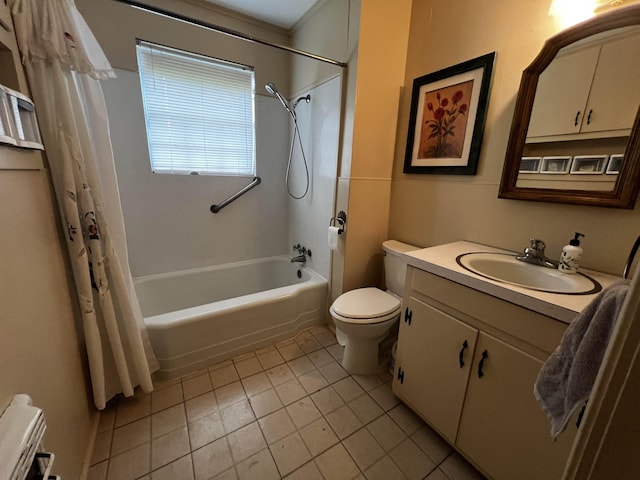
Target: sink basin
[(505, 268)]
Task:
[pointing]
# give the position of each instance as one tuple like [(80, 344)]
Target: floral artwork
[(447, 117), (445, 121)]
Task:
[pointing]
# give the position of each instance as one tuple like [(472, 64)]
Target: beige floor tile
[(386, 377), (181, 469), (384, 469), (320, 357), (318, 330), (410, 459), (333, 372), (131, 435), (318, 436), (162, 384), (206, 430), (132, 409), (212, 459), (236, 416), (336, 351), (248, 367), (290, 351), (300, 366), (263, 350), (102, 447), (435, 447), (336, 464), (245, 442), (327, 400), (224, 376), (260, 466), (168, 420), (99, 471), (326, 339), (437, 475), (290, 453), (312, 381), (303, 412), (386, 432), (276, 426), (290, 391), (363, 448), (256, 383), (457, 468), (308, 344), (384, 396), (227, 475), (195, 386), (201, 406), (229, 394), (368, 382), (169, 447), (270, 359), (220, 365), (280, 374), (243, 357), (131, 464), (309, 471), (365, 409), (107, 420), (166, 398), (343, 421), (408, 421), (348, 389), (265, 403)]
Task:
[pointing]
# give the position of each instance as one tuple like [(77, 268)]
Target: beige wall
[(39, 349), (432, 209), (382, 47)]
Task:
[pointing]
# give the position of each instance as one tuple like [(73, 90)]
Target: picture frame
[(530, 164), (447, 118), (555, 165), (615, 164), (589, 164)]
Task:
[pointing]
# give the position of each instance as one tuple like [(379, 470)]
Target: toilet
[(364, 316)]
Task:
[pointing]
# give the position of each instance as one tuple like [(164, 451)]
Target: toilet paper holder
[(340, 220)]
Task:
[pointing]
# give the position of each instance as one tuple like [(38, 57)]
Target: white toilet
[(364, 316)]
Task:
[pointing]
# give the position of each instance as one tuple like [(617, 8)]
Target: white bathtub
[(196, 318)]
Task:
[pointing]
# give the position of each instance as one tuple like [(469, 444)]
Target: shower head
[(273, 90)]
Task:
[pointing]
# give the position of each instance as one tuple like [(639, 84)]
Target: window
[(199, 112)]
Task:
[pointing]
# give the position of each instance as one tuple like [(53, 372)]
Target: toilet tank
[(395, 267)]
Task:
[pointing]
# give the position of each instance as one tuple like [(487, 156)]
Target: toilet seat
[(366, 306)]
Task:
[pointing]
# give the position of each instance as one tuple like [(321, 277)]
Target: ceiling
[(283, 13)]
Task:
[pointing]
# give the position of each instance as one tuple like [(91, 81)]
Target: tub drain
[(299, 273)]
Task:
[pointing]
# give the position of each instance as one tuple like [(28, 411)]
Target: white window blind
[(199, 112)]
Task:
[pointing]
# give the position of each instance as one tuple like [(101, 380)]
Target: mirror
[(575, 134)]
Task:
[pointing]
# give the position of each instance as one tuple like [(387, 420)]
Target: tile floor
[(285, 411)]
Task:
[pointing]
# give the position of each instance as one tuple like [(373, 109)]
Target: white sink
[(505, 268)]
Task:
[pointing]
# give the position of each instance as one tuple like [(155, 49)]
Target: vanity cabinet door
[(502, 428), (614, 97), (433, 362), (561, 96)]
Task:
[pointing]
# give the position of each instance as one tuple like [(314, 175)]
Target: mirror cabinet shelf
[(575, 132)]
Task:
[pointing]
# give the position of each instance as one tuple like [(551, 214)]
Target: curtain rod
[(227, 31)]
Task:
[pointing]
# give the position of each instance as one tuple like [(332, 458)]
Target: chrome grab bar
[(216, 208)]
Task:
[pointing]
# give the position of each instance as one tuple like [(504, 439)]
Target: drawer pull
[(464, 347), (484, 356)]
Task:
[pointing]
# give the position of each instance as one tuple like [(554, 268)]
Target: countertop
[(441, 260)]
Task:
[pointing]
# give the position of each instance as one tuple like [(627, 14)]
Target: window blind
[(199, 112)]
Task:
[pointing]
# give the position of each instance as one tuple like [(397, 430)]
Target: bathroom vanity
[(469, 352)]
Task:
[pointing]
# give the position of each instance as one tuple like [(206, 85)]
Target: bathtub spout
[(300, 259)]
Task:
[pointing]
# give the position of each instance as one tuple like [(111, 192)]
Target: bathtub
[(196, 318)]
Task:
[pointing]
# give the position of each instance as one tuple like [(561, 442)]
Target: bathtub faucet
[(303, 252)]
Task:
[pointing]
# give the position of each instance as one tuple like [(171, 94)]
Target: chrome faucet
[(303, 252), (535, 255)]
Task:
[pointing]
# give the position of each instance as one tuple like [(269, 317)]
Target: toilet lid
[(365, 303)]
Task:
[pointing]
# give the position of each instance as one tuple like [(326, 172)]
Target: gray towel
[(567, 377)]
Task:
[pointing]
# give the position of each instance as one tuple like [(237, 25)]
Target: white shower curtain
[(64, 64)]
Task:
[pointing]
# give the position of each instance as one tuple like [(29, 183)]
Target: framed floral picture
[(447, 117)]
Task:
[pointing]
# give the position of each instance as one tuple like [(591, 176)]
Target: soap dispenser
[(571, 255)]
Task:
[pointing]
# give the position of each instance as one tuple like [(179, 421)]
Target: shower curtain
[(64, 65)]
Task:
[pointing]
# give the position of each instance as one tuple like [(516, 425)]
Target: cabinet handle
[(575, 122), (484, 356), (589, 117), (407, 315), (464, 347)]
